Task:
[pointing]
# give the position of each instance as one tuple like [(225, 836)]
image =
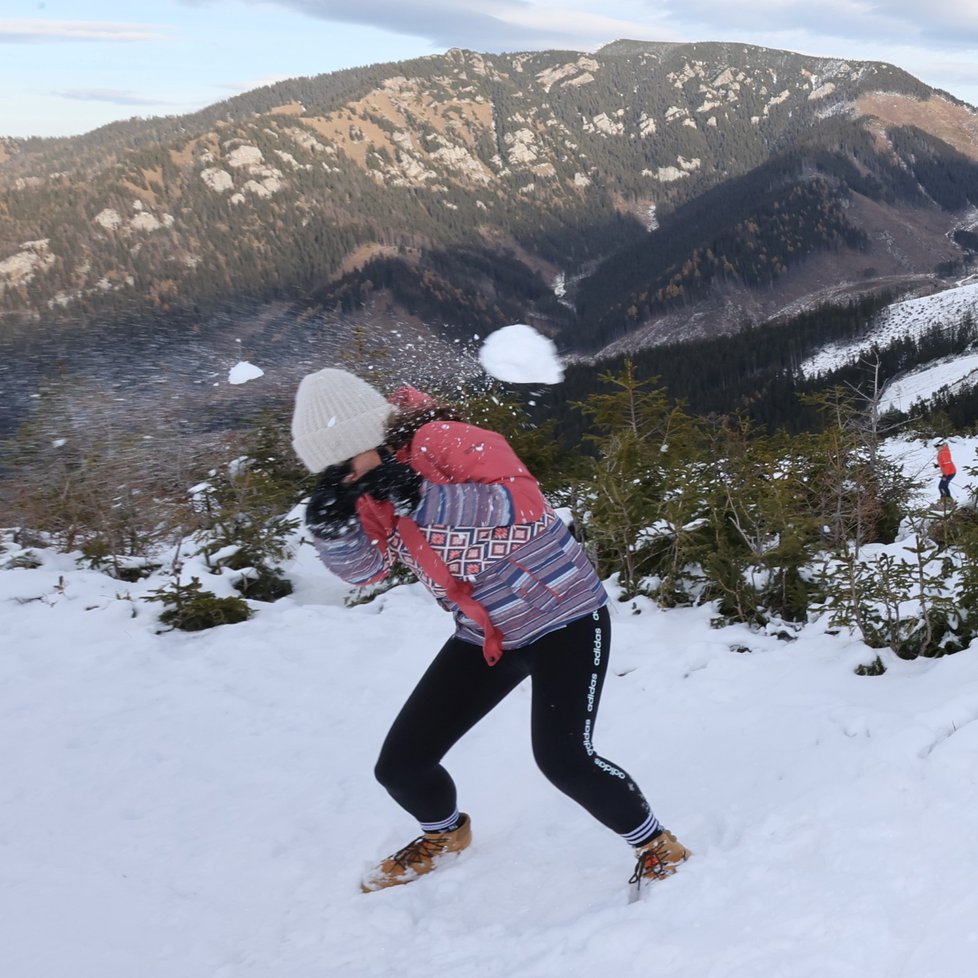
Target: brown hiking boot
[(658, 859), (418, 857)]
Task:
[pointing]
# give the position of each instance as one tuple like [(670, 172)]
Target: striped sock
[(445, 825), (647, 831)]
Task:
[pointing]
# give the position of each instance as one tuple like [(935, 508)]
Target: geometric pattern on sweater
[(468, 550), (536, 587), (540, 587)]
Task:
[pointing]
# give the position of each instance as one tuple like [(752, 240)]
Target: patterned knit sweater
[(492, 532)]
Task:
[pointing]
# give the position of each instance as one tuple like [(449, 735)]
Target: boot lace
[(649, 866), (418, 851)]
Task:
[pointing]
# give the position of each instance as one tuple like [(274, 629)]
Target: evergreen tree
[(637, 501)]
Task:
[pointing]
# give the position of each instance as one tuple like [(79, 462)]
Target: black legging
[(458, 689)]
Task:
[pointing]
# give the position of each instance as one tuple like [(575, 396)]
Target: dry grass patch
[(290, 108), (955, 124)]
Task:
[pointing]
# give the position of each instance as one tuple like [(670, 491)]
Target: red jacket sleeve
[(453, 452)]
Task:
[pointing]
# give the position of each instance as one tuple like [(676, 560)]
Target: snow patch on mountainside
[(20, 268), (951, 375), (910, 318)]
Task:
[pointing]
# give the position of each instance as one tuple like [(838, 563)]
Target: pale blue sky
[(68, 66)]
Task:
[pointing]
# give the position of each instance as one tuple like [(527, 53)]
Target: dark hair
[(404, 425)]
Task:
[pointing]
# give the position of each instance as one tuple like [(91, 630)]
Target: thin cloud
[(47, 31), (945, 23), (530, 24), (951, 72), (112, 95), (487, 25)]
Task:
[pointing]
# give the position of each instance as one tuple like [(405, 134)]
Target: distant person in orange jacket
[(946, 465)]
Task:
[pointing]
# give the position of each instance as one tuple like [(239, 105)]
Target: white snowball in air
[(242, 372), (518, 354)]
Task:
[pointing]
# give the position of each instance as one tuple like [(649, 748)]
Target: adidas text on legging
[(567, 669)]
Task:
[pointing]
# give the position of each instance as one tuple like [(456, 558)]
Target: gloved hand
[(394, 481), (331, 512)]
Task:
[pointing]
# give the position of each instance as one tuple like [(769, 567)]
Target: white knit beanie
[(337, 415)]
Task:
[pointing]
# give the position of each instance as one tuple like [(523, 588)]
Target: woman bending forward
[(401, 480)]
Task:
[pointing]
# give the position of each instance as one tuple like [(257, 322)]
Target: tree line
[(770, 529)]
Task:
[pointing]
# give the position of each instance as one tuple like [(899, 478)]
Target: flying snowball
[(242, 372), (518, 354)]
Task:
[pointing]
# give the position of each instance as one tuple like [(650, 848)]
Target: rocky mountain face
[(641, 194)]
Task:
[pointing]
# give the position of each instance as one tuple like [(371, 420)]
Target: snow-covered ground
[(910, 318), (919, 386), (202, 805), (916, 458)]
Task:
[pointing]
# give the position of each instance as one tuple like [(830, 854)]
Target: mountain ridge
[(670, 190)]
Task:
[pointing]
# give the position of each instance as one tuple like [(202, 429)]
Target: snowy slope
[(910, 318), (202, 805), (919, 386)]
